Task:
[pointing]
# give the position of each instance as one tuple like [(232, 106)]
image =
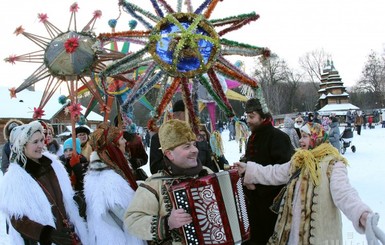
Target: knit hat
[(174, 133), (178, 106), (68, 145), (9, 126), (316, 132), (82, 129), (19, 137)]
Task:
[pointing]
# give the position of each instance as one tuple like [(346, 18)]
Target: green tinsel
[(215, 96), (230, 19)]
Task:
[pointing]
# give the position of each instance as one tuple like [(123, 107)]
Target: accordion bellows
[(217, 205)]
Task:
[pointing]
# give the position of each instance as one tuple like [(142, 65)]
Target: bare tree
[(271, 73), (313, 63), (373, 77)]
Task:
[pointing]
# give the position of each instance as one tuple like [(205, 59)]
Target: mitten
[(372, 231), (75, 159), (61, 237)]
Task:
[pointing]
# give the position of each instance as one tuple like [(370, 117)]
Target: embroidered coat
[(310, 214), (107, 196), (148, 213), (26, 204)]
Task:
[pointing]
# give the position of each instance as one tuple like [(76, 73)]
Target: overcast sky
[(346, 29)]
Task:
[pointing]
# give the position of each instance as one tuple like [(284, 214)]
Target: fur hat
[(178, 106), (19, 137), (253, 105), (174, 133), (316, 132), (9, 126), (68, 145)]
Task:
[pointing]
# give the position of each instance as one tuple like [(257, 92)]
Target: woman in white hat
[(36, 193)]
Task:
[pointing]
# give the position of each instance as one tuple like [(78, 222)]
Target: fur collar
[(96, 163)]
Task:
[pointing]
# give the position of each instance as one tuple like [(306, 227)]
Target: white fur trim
[(21, 195), (104, 190)]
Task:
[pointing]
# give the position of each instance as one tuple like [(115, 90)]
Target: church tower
[(332, 90)]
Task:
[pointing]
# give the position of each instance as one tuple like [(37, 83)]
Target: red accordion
[(217, 204)]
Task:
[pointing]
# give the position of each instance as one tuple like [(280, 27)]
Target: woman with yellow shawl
[(317, 188)]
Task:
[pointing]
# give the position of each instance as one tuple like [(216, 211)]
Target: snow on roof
[(22, 106), (338, 107)]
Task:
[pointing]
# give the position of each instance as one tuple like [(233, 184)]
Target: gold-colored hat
[(174, 133)]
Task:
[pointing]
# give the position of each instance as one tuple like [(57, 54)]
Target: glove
[(79, 199), (372, 232), (75, 159), (61, 237)]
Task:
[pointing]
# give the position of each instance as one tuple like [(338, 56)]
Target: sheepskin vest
[(21, 195), (104, 190), (320, 220)]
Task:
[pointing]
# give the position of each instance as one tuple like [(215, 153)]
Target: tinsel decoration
[(202, 7), (166, 6), (135, 96), (167, 97), (179, 6), (194, 96), (216, 143), (216, 98), (131, 8), (241, 131), (218, 89), (189, 105), (210, 8), (261, 98), (184, 46), (157, 8)]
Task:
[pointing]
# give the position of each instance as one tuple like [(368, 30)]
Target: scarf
[(308, 160)]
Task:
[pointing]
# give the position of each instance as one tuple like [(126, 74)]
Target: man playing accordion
[(154, 213)]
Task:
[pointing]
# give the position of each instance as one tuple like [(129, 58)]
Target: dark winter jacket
[(135, 148), (5, 157), (266, 145)]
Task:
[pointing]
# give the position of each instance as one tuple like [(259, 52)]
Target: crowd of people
[(90, 190)]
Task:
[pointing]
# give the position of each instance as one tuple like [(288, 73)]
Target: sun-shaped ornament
[(184, 45), (69, 57)]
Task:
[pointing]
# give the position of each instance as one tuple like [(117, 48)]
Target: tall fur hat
[(9, 126), (174, 133)]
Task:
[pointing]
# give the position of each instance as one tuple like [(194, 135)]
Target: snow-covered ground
[(366, 172)]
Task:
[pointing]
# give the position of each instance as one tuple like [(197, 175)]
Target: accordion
[(217, 205)]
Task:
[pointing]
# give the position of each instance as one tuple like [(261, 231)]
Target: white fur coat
[(107, 191), (21, 195)]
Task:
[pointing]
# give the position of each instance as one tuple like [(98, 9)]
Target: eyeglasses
[(299, 121)]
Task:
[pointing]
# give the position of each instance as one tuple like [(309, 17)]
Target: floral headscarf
[(104, 141)]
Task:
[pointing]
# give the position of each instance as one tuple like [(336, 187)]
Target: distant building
[(54, 113), (333, 97)]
